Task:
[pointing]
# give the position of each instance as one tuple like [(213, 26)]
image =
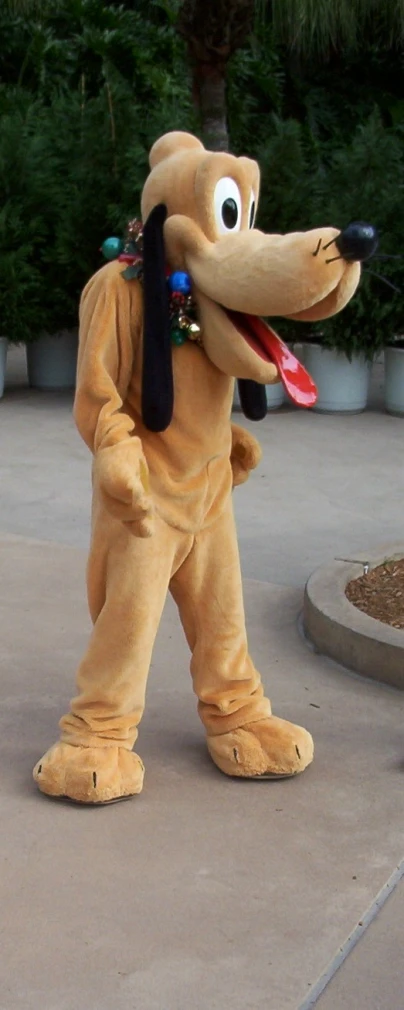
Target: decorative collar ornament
[(182, 307)]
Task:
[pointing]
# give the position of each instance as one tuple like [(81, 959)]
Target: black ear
[(253, 399), (157, 376)]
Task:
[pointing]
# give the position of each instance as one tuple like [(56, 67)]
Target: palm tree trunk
[(213, 30), (209, 89)]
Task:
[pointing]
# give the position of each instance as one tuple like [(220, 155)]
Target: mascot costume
[(165, 329)]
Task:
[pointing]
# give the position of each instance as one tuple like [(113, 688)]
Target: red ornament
[(177, 299), (128, 258)]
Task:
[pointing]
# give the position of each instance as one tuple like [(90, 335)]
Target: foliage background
[(86, 87)]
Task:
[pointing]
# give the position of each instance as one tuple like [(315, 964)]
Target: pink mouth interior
[(268, 345)]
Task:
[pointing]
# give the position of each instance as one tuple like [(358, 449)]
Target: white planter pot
[(52, 360), (343, 385), (298, 351), (394, 380), (3, 363), (275, 394)]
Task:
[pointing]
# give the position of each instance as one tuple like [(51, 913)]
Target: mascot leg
[(127, 580), (244, 738)]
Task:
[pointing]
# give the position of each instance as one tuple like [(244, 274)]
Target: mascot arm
[(110, 315), (245, 454)]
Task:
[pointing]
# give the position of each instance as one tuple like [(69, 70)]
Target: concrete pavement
[(203, 892), (374, 970)]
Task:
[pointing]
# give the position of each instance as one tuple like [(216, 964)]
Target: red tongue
[(298, 383)]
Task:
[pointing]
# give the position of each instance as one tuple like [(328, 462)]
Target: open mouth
[(257, 334), (268, 345)]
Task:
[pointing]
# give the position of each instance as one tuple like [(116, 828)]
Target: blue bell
[(179, 283)]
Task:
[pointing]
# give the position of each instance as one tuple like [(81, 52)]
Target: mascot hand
[(122, 476), (245, 454)]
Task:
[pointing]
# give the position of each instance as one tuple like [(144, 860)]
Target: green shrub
[(362, 179), (88, 86), (365, 181)]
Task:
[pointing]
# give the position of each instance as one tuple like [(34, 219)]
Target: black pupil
[(229, 213), (252, 214)]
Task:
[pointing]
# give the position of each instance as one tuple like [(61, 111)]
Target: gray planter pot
[(394, 380), (343, 385), (3, 363), (52, 360), (275, 394)]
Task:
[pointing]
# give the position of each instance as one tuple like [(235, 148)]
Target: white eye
[(251, 211), (227, 204)]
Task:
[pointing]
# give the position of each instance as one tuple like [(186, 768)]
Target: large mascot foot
[(271, 748), (89, 774)]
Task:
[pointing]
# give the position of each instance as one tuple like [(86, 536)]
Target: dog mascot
[(164, 331)]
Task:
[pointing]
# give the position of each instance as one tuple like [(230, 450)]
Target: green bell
[(111, 248), (178, 337)]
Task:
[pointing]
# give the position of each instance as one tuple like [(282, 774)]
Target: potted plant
[(394, 377), (342, 381), (20, 232), (52, 360), (3, 363), (338, 352), (20, 300), (30, 299), (52, 346), (361, 180), (89, 181), (394, 340), (73, 152), (57, 192)]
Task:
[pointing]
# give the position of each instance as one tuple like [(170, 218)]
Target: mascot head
[(199, 211)]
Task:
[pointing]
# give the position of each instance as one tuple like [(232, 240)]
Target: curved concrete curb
[(340, 631)]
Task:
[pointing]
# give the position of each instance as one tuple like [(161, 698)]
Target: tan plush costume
[(162, 505)]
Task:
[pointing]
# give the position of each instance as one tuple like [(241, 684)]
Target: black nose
[(357, 242)]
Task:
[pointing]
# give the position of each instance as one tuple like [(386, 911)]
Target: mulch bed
[(380, 593)]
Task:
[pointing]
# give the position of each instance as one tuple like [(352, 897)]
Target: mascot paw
[(122, 475), (245, 454), (271, 748), (89, 774)]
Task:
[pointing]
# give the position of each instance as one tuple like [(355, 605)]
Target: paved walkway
[(204, 892)]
